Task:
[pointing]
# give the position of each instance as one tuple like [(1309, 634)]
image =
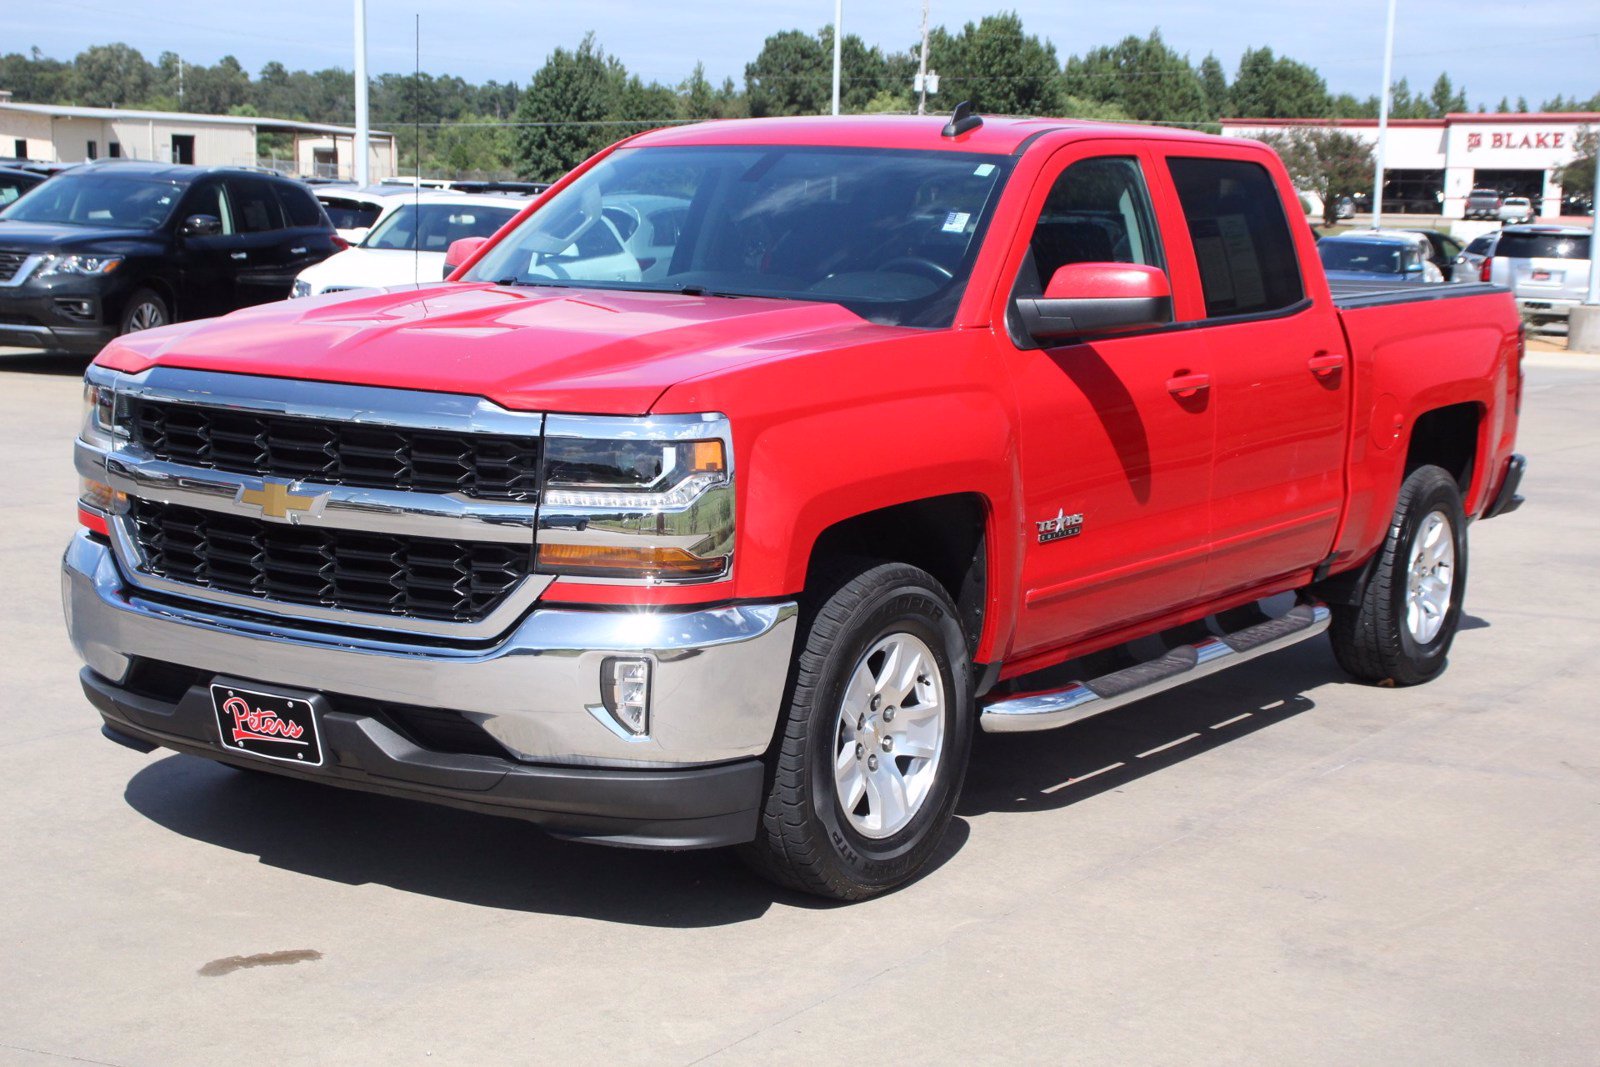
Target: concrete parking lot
[(1274, 866)]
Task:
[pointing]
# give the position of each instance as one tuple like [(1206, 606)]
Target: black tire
[(145, 310), (1372, 638), (806, 841)]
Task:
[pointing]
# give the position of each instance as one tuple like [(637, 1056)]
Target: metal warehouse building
[(1432, 164), (61, 134)]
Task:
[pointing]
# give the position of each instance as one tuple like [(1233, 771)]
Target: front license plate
[(267, 725)]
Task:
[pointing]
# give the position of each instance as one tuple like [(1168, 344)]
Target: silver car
[(1469, 264), (1546, 267)]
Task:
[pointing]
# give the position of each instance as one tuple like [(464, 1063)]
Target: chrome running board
[(1080, 700)]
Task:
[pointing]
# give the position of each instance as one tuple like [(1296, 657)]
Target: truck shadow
[(28, 361), (360, 838), (1053, 769)]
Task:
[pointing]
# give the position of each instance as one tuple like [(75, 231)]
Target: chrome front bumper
[(717, 673)]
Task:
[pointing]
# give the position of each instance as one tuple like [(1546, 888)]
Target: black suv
[(102, 250)]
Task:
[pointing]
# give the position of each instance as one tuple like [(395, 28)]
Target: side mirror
[(201, 226), (461, 251), (1090, 297)]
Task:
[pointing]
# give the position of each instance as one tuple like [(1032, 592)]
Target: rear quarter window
[(300, 208), (1240, 235), (1542, 246)]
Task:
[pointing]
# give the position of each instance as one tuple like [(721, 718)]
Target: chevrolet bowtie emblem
[(275, 500)]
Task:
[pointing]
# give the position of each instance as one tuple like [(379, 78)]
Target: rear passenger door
[(263, 267), (1115, 432), (1279, 371), (307, 235)]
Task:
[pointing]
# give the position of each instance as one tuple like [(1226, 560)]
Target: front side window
[(1097, 212), (207, 198), (889, 234), (255, 209), (98, 200), (1240, 235)]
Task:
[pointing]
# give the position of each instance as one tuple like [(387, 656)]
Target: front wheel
[(1400, 630), (873, 746), (145, 310)]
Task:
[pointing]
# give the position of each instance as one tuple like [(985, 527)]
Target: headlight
[(646, 499), (79, 265), (300, 288), (100, 412)]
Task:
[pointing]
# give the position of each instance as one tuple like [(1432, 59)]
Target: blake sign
[(1516, 139)]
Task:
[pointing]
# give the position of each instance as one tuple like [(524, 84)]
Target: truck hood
[(586, 351)]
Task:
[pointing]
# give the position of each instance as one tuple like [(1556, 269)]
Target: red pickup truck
[(721, 496)]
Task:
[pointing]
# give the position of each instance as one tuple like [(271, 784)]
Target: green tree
[(1577, 177), (1215, 85), (567, 106), (1328, 162), (1277, 87), (696, 98), (1145, 78), (1347, 106), (791, 75), (996, 65), (111, 75), (1445, 99)]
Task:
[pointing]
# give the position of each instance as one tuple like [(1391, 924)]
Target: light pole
[(1383, 120), (922, 65), (362, 176), (838, 34)]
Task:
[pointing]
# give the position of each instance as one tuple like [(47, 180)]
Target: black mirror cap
[(1052, 320), (201, 226)]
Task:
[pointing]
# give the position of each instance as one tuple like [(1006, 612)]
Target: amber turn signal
[(626, 561)]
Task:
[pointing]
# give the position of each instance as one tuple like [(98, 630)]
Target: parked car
[(1443, 250), (648, 225), (1469, 264), (1374, 257), (744, 555), (1346, 208), (408, 245), (1515, 209), (1547, 267), (100, 251), (13, 183), (495, 185), (354, 211), (1483, 204)]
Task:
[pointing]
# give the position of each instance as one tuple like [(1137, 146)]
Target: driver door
[(208, 265), (1116, 432)]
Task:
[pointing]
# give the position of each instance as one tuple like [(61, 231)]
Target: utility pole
[(838, 33), (180, 81), (361, 174), (922, 65), (1383, 120)]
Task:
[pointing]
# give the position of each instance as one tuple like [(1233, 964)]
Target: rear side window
[(300, 208), (255, 209), (1542, 246), (1240, 235)]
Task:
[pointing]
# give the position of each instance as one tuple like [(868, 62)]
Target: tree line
[(582, 98)]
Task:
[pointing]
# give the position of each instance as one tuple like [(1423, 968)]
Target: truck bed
[(1348, 295)]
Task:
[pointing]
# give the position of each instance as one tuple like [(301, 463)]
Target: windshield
[(1370, 257), (891, 235), (438, 225), (98, 200)]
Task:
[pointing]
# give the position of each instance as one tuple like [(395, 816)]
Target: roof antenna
[(961, 120)]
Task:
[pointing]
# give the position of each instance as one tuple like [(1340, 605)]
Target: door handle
[(238, 255), (1326, 364), (297, 251), (1185, 386)]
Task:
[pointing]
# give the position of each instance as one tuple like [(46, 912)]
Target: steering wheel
[(925, 267)]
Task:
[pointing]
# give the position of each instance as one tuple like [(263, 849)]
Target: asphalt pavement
[(1276, 865)]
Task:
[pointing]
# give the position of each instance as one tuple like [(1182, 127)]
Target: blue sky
[(1495, 48)]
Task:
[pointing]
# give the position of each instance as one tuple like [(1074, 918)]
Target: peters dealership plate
[(267, 725)]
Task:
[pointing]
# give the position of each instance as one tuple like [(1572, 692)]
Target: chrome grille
[(481, 465), (413, 577), (10, 263)]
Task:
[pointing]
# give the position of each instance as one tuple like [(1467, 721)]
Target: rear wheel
[(1400, 631), (873, 747), (145, 310)]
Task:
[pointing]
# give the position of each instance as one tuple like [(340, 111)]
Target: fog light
[(625, 691)]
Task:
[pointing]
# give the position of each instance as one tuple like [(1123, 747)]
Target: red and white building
[(1432, 164)]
